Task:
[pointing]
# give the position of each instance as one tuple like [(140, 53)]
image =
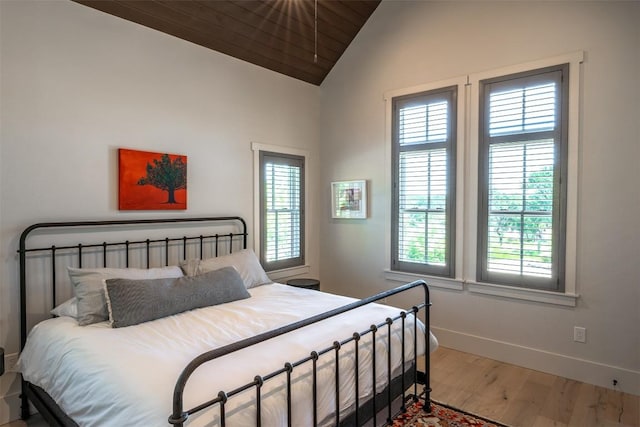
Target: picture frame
[(151, 181), (349, 199)]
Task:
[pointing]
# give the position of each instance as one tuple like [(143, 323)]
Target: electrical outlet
[(10, 362), (579, 334)]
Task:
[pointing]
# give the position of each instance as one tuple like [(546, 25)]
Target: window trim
[(574, 60), (257, 148), (460, 130)]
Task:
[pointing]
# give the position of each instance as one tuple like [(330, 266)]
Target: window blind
[(527, 109), (521, 207), (423, 123), (423, 190)]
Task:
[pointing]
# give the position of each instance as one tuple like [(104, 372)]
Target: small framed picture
[(349, 199)]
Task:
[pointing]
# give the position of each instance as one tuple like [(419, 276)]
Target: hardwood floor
[(521, 397), (516, 396)]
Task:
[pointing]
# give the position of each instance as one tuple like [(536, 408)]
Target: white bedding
[(102, 376)]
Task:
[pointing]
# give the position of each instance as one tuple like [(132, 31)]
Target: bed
[(195, 334)]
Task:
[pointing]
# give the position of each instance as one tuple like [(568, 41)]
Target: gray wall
[(77, 84), (405, 44)]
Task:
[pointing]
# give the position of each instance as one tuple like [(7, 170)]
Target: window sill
[(285, 273), (548, 297), (509, 292), (432, 281)]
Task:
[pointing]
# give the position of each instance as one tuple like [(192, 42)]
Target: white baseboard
[(570, 367)]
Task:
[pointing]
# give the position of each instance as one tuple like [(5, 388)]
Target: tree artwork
[(151, 181), (166, 175)]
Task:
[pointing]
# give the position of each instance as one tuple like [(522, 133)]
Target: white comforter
[(102, 376)]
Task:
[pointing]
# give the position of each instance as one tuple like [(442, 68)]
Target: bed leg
[(427, 384), (24, 403), (427, 400), (424, 379)]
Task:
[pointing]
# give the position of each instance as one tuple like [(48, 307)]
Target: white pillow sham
[(245, 261), (69, 308)]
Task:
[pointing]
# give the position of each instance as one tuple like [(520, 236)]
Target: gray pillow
[(88, 285), (131, 302)]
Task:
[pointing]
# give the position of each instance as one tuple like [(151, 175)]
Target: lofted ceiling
[(280, 35)]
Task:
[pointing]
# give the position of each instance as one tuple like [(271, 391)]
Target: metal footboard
[(180, 415)]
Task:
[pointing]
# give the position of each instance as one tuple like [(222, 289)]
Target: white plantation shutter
[(528, 109), (521, 227), (423, 183), (282, 204), (423, 123), (521, 208), (422, 221)]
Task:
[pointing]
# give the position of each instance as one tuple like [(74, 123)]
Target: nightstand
[(305, 283)]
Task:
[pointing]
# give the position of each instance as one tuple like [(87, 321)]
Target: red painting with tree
[(151, 181)]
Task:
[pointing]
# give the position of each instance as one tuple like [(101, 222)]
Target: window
[(423, 211), (508, 165), (281, 210), (522, 179)]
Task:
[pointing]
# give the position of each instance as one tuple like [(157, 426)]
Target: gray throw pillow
[(88, 285), (131, 302)]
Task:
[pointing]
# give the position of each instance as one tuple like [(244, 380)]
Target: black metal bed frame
[(394, 389)]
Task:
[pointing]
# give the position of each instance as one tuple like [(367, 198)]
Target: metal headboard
[(147, 245)]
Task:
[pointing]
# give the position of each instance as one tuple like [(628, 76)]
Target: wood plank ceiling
[(279, 35)]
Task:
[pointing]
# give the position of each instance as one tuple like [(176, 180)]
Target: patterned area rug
[(441, 416)]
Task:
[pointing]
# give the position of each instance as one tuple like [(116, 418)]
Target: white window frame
[(467, 185), (257, 147)]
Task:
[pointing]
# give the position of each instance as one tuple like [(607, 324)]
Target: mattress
[(101, 376)]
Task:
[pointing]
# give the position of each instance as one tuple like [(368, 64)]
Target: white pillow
[(245, 261), (89, 289), (68, 308)]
